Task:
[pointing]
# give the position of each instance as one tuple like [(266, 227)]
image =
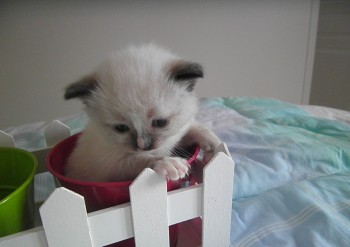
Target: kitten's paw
[(172, 168), (209, 150)]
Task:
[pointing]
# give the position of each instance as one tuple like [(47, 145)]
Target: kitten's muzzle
[(143, 143)]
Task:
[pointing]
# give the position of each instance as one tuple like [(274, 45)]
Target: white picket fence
[(146, 218)]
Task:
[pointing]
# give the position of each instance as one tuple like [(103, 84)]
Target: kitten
[(141, 105)]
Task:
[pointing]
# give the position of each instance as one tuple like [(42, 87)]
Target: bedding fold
[(292, 173)]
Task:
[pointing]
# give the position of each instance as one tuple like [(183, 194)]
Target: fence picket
[(65, 219), (217, 201), (148, 197), (56, 132), (223, 148), (6, 140)]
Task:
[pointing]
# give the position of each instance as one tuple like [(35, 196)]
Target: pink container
[(99, 195)]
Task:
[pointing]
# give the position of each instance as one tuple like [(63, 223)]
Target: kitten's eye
[(121, 128), (159, 123)]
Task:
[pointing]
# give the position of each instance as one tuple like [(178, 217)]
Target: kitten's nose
[(144, 143)]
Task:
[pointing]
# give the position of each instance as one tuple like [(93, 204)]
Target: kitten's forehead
[(137, 72), (136, 106), (137, 80)]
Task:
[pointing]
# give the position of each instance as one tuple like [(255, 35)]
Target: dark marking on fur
[(190, 86), (81, 89), (186, 72)]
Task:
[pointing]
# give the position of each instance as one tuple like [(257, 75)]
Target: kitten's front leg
[(172, 168), (204, 137)]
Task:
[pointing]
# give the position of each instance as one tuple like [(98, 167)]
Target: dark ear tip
[(69, 93), (80, 89), (198, 70), (186, 71)]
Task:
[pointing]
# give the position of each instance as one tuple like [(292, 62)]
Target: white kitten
[(141, 105)]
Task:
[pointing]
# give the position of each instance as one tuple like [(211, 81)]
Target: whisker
[(166, 149), (182, 152)]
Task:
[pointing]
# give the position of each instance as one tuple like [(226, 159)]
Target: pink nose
[(144, 142), (140, 142)]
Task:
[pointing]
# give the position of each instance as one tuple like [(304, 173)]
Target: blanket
[(292, 174)]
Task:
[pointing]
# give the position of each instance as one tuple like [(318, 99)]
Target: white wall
[(249, 48)]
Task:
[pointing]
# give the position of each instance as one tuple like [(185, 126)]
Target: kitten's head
[(141, 97)]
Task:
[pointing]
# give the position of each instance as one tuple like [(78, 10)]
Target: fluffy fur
[(141, 105)]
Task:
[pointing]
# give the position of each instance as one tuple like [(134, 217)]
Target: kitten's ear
[(186, 72), (82, 88)]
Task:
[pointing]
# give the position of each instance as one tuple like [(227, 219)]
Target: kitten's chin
[(152, 152)]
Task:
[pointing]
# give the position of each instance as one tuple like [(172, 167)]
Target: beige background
[(248, 48)]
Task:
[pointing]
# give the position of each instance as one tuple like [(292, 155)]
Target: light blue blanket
[(292, 175)]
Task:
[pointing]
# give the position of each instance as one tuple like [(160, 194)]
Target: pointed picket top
[(198, 168), (56, 132), (6, 140), (150, 221), (150, 177), (64, 219), (217, 200), (223, 148)]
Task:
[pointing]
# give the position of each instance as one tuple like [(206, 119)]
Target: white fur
[(133, 89)]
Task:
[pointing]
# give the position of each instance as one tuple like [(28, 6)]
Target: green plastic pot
[(17, 170)]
